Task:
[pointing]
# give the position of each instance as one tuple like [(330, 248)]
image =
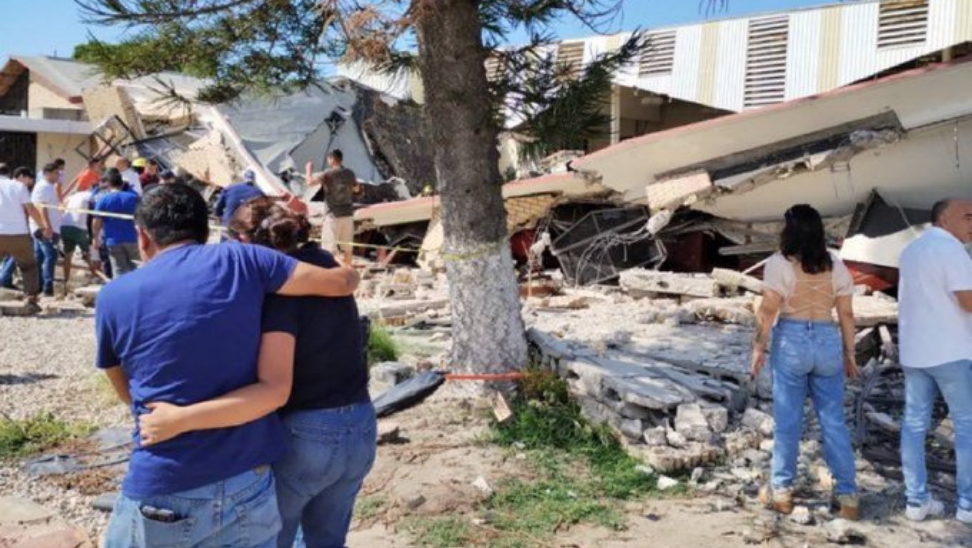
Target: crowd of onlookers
[(44, 217)]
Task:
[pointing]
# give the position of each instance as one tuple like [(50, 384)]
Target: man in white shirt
[(129, 175), (15, 241), (45, 198), (935, 328), (74, 232)]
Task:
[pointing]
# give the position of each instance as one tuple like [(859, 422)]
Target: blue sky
[(46, 27)]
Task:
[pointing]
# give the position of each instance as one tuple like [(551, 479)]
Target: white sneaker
[(931, 509), (965, 516)]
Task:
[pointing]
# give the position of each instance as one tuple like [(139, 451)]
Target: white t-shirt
[(45, 194), (13, 196), (78, 200), (131, 177), (933, 327)]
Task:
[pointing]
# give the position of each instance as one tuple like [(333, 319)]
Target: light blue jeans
[(331, 452), (922, 386), (239, 512), (808, 357)]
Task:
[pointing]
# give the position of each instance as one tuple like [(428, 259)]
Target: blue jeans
[(808, 357), (46, 253), (922, 386), (7, 272), (238, 512), (331, 452)]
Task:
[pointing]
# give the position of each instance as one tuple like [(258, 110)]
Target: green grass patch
[(37, 433), (447, 532), (369, 508), (381, 346), (583, 475), (549, 423)]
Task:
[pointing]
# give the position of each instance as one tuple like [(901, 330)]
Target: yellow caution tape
[(447, 257)]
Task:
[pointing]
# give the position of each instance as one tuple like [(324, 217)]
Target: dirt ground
[(429, 472), (443, 452)]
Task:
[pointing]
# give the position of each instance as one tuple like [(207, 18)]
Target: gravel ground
[(46, 365)]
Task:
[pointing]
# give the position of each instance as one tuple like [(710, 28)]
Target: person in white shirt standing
[(935, 328), (129, 175), (74, 232), (15, 241), (45, 198)]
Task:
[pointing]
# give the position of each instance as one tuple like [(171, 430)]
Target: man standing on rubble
[(44, 196), (935, 322), (15, 241), (129, 175), (235, 195), (338, 186), (119, 233), (212, 486)]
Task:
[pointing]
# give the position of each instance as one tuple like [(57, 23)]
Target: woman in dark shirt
[(329, 415)]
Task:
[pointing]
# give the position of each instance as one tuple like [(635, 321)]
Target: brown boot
[(849, 507), (780, 500)]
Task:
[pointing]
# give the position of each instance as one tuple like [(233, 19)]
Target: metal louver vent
[(902, 23), (571, 55), (659, 57), (766, 61), (493, 68)]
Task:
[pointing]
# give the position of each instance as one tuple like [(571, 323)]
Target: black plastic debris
[(409, 393)]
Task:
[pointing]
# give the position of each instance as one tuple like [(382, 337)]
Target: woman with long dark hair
[(811, 354)]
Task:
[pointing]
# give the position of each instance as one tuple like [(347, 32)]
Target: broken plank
[(736, 280), (639, 280)]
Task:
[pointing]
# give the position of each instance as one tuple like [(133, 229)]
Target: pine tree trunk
[(488, 332)]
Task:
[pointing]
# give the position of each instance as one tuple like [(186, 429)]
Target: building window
[(902, 23), (766, 61), (571, 56), (659, 57)]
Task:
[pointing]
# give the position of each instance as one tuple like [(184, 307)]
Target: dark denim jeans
[(240, 512), (808, 357), (46, 253), (331, 452)]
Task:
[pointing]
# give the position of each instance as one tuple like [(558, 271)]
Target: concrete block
[(717, 417), (18, 511), (758, 421), (691, 423)]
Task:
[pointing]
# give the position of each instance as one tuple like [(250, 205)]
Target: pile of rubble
[(664, 360)]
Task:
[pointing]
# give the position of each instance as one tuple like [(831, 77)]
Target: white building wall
[(685, 70), (858, 42), (803, 54), (730, 78)]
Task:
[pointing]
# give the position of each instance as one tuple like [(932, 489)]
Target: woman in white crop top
[(805, 287)]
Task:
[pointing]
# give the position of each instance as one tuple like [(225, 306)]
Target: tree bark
[(488, 332)]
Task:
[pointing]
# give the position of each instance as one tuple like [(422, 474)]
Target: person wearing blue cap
[(236, 195)]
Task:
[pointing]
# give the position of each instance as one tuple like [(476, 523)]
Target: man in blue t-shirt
[(119, 233), (194, 344), (236, 195)]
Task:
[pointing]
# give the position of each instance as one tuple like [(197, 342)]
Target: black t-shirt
[(339, 191), (329, 360)]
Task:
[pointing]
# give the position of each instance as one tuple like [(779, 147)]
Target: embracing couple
[(206, 343)]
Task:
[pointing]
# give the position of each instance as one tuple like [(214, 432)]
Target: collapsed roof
[(276, 136)]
